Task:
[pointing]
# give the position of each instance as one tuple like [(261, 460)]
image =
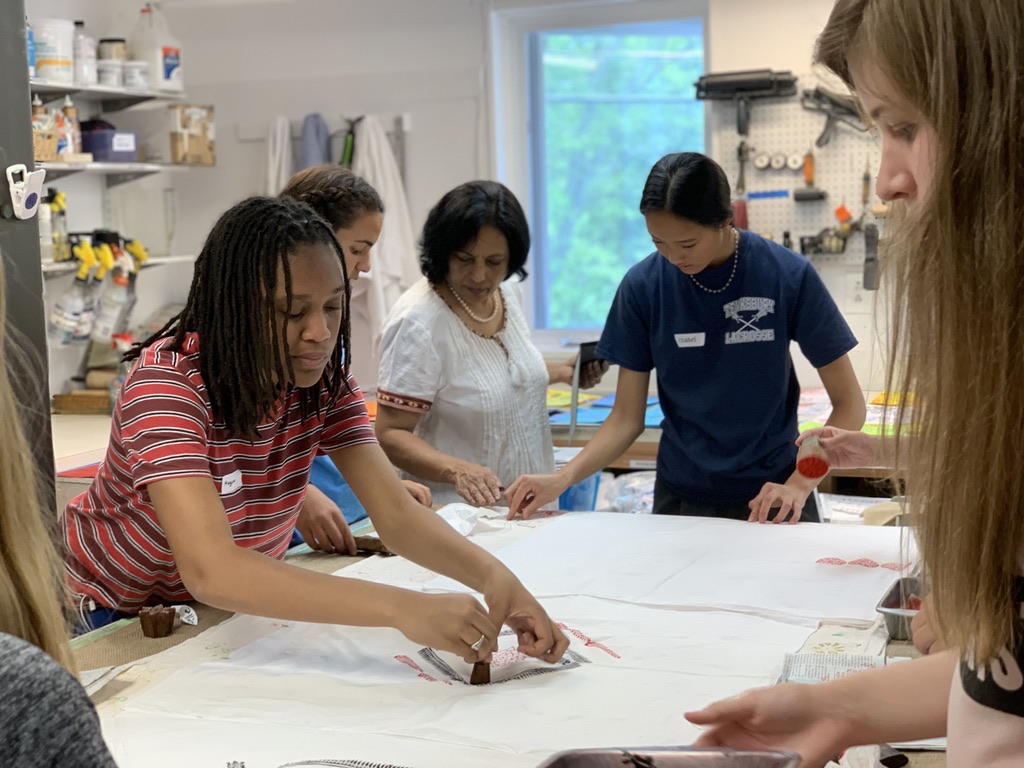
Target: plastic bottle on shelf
[(151, 41), (105, 262), (41, 119), (44, 215), (72, 127), (111, 309), (30, 45), (87, 319), (85, 56), (67, 311)]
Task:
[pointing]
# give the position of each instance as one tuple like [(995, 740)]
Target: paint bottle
[(72, 127), (811, 461), (40, 114)]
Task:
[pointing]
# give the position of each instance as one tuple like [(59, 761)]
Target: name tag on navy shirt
[(690, 339)]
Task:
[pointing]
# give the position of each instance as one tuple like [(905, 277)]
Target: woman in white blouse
[(461, 398)]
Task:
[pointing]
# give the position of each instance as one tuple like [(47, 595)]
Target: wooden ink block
[(157, 621), (371, 544), (481, 673)]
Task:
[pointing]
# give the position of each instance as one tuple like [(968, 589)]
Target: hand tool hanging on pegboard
[(837, 108), (743, 87)]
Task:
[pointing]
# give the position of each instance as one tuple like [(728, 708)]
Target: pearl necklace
[(735, 261), (470, 312)]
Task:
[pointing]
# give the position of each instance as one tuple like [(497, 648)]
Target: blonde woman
[(943, 80), (45, 716)]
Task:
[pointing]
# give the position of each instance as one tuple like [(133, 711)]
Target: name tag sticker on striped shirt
[(231, 483), (690, 339)]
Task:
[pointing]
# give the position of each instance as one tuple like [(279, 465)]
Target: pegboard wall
[(782, 127)]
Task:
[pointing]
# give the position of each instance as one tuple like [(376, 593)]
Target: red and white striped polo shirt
[(162, 427)]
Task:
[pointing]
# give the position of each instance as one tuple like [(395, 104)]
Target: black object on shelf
[(743, 87)]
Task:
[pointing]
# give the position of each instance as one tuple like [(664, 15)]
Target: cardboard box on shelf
[(180, 134)]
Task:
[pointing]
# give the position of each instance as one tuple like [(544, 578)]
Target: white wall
[(386, 57), (758, 34)]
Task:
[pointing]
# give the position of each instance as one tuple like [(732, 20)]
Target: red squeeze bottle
[(810, 460)]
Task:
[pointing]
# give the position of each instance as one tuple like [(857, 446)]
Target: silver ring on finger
[(479, 643)]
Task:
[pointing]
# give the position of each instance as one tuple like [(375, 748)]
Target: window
[(604, 101)]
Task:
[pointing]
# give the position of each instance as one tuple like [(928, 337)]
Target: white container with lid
[(55, 49), (136, 74), (113, 48), (111, 72)]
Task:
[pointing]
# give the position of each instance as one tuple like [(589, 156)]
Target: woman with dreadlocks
[(211, 442)]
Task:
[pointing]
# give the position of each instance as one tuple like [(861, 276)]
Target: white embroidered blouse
[(482, 399)]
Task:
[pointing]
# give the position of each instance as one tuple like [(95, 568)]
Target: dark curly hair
[(231, 307), (335, 193), (459, 216)]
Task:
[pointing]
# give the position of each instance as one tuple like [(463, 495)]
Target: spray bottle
[(111, 310), (139, 256), (105, 257), (114, 296), (66, 314), (84, 252)]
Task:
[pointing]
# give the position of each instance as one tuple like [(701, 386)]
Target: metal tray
[(670, 757), (897, 617)]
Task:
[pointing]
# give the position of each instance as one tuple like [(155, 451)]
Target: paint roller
[(743, 87)]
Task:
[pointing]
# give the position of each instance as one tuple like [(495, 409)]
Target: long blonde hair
[(958, 266), (31, 577)]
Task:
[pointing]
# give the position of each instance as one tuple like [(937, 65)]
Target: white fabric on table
[(768, 570), (269, 692), (646, 667)]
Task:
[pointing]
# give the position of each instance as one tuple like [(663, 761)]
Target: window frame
[(511, 110)]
